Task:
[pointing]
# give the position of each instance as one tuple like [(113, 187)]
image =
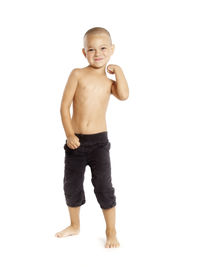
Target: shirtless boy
[(87, 140)]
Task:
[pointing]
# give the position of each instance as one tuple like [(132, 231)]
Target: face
[(98, 49)]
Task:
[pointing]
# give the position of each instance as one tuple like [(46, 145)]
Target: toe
[(59, 234)]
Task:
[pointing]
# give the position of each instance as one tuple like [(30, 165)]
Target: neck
[(100, 70)]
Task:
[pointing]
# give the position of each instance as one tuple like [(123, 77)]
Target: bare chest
[(93, 90)]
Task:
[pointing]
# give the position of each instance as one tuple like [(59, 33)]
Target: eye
[(90, 49), (103, 48)]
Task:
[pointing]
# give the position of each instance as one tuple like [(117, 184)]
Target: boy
[(87, 140)]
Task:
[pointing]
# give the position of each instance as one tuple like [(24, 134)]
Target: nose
[(97, 53)]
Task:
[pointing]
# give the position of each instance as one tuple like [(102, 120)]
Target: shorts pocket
[(66, 147), (70, 150)]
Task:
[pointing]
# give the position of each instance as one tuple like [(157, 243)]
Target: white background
[(154, 135)]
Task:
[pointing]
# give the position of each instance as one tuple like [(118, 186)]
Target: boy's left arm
[(119, 87)]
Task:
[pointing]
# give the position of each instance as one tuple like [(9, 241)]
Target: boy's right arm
[(66, 102)]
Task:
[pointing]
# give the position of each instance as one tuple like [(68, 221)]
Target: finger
[(110, 71), (77, 142), (71, 145), (75, 145), (77, 139)]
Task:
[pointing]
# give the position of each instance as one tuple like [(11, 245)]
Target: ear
[(83, 50)]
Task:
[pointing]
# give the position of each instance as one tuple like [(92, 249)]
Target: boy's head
[(98, 46)]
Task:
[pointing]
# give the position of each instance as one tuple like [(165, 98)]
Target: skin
[(89, 90)]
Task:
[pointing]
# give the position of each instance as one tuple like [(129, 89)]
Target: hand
[(73, 141), (112, 68)]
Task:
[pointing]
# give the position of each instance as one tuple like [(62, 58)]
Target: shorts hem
[(108, 207), (75, 205)]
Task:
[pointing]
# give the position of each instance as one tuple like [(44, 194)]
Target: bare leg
[(109, 215), (74, 228)]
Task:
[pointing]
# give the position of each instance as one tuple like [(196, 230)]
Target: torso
[(90, 102)]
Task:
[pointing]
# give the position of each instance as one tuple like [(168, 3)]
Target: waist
[(100, 137)]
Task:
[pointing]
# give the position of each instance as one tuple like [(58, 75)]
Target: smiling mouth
[(98, 59)]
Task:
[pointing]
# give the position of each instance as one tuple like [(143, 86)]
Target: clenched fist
[(73, 141), (111, 68)]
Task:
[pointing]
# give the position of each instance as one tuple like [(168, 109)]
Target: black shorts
[(93, 151)]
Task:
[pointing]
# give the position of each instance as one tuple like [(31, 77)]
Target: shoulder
[(75, 72), (78, 72)]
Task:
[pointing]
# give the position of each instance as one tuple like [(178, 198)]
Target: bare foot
[(70, 230), (111, 241)]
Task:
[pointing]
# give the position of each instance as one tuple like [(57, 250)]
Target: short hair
[(97, 30)]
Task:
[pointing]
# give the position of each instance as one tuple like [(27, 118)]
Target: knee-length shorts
[(94, 151)]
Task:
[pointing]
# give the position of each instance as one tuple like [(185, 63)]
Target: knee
[(106, 198), (74, 198)]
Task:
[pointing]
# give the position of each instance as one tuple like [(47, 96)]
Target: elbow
[(64, 109), (125, 94), (61, 109), (125, 97), (65, 106)]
